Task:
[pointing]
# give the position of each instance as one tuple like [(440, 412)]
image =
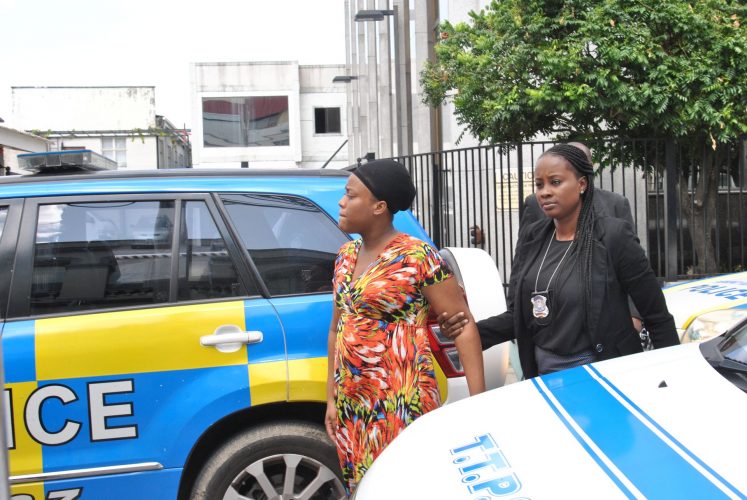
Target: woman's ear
[(583, 183), (380, 207)]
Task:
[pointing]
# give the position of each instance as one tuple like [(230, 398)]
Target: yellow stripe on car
[(730, 305), (35, 490), (268, 382), (132, 341), (307, 379)]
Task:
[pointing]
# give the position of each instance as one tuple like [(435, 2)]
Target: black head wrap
[(388, 181)]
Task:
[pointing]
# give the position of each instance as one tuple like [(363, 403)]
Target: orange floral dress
[(383, 366)]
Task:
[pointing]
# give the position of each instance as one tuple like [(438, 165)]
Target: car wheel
[(283, 461)]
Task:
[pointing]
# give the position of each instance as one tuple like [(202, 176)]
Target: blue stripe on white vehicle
[(622, 482), (690, 457), (640, 455)]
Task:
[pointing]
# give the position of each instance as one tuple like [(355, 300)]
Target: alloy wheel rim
[(286, 476)]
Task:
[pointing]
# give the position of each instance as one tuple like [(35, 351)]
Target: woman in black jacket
[(567, 304)]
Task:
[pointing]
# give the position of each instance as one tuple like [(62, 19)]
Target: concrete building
[(13, 142), (268, 115), (118, 122), (387, 45)]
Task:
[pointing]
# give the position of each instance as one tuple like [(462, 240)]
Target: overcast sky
[(152, 42)]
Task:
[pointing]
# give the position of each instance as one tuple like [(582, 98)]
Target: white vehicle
[(476, 272), (659, 424), (708, 307)]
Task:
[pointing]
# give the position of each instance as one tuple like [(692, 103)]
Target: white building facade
[(118, 122), (387, 43), (268, 115), (14, 142)]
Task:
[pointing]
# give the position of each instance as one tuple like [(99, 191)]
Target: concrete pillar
[(351, 111), (373, 83), (361, 84), (426, 124), (385, 84), (403, 77)]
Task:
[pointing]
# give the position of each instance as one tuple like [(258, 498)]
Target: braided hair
[(585, 226)]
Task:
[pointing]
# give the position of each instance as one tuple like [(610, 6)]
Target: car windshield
[(734, 346), (728, 355)]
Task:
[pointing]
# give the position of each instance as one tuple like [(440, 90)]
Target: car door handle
[(230, 338)]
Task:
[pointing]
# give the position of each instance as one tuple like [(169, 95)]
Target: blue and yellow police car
[(164, 332)]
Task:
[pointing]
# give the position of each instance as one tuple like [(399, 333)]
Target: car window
[(291, 241), (101, 255), (3, 215), (206, 270)]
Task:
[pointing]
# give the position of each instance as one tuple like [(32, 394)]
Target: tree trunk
[(699, 209)]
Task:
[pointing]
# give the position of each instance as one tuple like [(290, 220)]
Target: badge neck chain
[(539, 299)]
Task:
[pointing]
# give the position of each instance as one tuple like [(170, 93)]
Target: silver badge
[(539, 306)]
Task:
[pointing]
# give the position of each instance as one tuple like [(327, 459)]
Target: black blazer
[(620, 268), (606, 204)]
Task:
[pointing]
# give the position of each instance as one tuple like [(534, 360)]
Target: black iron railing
[(474, 197)]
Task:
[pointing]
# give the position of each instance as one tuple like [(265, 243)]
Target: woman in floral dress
[(381, 375)]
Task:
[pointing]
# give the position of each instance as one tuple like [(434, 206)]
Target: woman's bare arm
[(330, 418), (447, 297)]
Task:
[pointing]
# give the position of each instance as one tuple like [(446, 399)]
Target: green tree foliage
[(600, 69), (639, 68)]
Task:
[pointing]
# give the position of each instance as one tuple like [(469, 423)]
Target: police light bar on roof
[(65, 161)]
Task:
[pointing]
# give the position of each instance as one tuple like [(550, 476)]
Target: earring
[(582, 192)]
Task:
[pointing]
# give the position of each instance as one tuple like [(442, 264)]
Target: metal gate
[(475, 197)]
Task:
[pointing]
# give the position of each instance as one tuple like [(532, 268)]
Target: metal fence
[(484, 187)]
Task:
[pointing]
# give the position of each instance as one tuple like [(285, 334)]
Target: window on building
[(292, 242), (327, 120), (240, 122), (115, 148)]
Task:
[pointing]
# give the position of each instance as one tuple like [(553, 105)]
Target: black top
[(619, 268), (562, 331)]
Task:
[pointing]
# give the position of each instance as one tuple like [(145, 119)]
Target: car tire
[(279, 461)]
